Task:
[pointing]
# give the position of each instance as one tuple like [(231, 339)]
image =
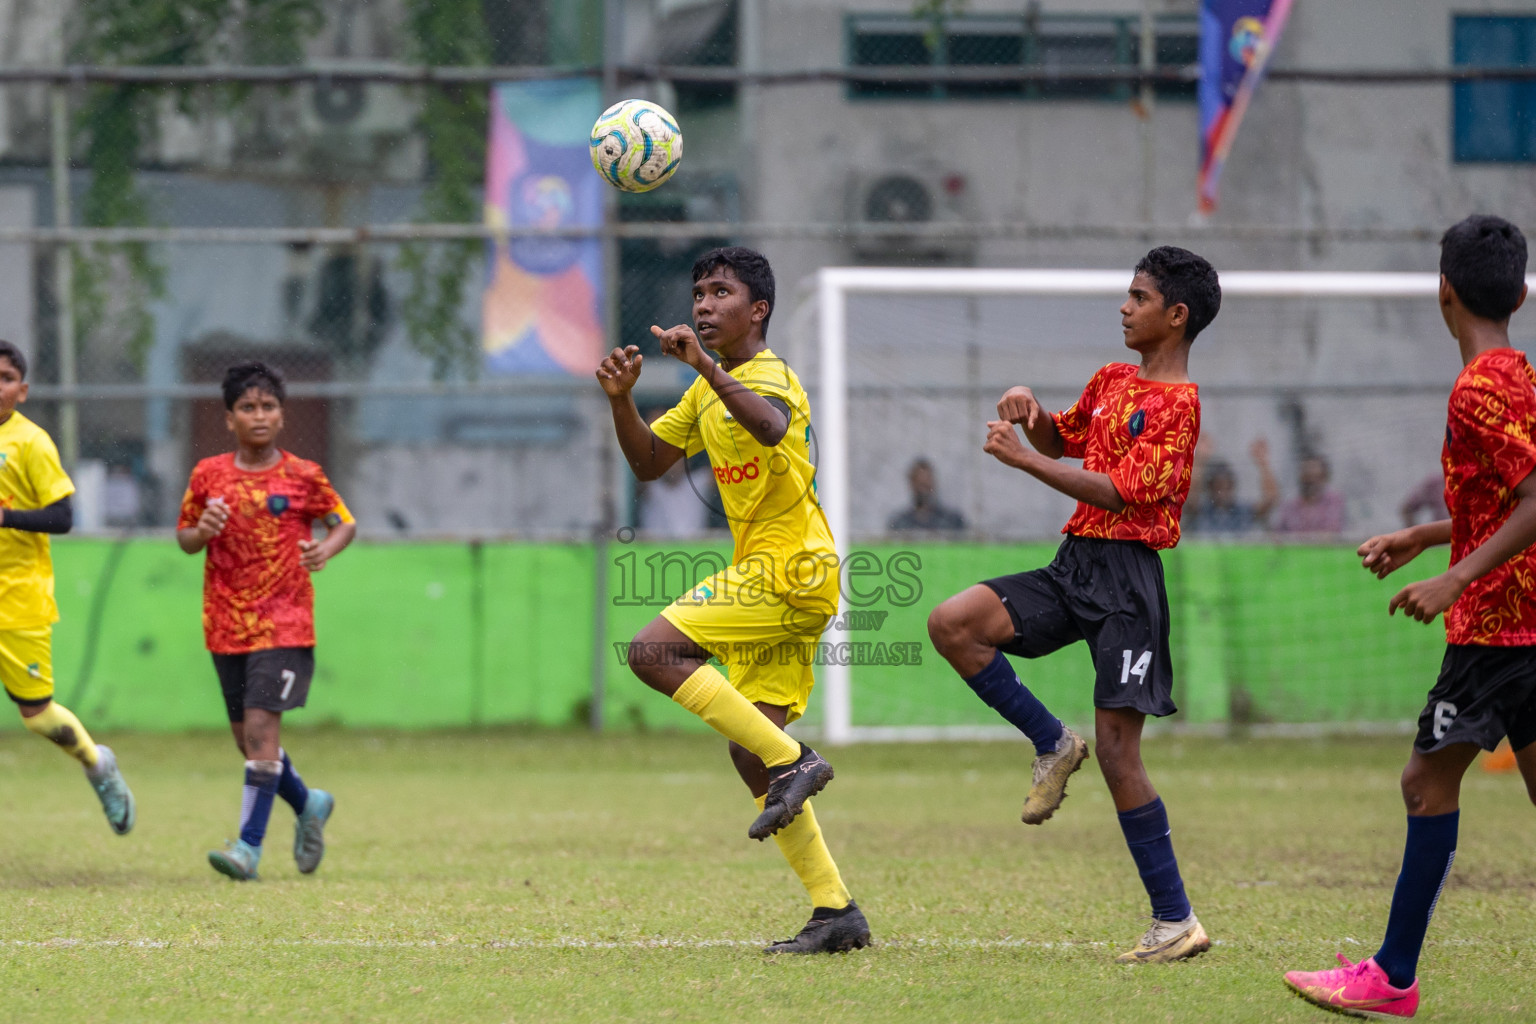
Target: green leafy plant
[(453, 121), (114, 284), (936, 12)]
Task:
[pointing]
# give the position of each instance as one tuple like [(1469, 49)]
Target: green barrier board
[(421, 635)]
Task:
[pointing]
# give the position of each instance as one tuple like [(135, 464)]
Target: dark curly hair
[(254, 374), (15, 356), (1184, 279), (1483, 258), (751, 269)]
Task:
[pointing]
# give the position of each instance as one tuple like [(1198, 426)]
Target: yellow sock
[(709, 695), (59, 725), (802, 845)]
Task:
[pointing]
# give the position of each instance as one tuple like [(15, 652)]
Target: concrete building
[(1310, 155), (1073, 168)]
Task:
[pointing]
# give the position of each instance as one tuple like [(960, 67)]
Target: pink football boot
[(1360, 990)]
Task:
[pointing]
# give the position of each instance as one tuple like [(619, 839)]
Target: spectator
[(925, 512), (1428, 496), (1318, 509), (121, 503), (1216, 508), (676, 504)]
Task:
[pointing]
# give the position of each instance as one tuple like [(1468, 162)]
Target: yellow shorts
[(26, 663), (768, 646)]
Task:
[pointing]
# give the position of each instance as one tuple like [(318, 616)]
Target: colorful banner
[(544, 297), (1237, 38)]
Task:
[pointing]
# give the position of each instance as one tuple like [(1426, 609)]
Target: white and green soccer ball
[(636, 145)]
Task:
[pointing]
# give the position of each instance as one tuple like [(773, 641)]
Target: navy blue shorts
[(1111, 594), (276, 679), (1483, 694)]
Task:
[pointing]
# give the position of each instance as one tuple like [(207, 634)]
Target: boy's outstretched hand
[(1425, 600), (1019, 405), (1004, 445), (211, 523), (1388, 552), (683, 345), (618, 373), (313, 554)]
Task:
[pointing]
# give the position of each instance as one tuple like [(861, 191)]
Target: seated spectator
[(1318, 509), (678, 504), (673, 505), (1214, 507), (1427, 496), (925, 512), (121, 505)]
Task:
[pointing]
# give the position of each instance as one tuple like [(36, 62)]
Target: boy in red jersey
[(1487, 684), (253, 510), (1135, 429)]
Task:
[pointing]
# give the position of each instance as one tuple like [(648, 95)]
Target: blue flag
[(1237, 38)]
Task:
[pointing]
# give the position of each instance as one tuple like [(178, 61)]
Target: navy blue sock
[(291, 788), (256, 804), (999, 687), (1427, 859), (1147, 834)]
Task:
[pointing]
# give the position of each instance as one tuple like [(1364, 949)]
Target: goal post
[(835, 287)]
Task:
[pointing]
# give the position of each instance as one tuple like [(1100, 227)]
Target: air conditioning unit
[(357, 108), (933, 202)]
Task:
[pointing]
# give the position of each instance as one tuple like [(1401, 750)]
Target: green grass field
[(505, 876)]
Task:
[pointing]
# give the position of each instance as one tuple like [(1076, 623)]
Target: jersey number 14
[(1139, 670)]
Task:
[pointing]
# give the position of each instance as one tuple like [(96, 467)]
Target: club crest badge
[(277, 504), (1138, 422)]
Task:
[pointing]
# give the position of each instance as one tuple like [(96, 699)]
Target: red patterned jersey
[(1142, 433), (256, 594), (1490, 447)]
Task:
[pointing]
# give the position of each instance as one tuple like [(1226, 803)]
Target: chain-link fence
[(296, 216)]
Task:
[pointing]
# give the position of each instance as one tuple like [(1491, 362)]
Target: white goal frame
[(835, 284)]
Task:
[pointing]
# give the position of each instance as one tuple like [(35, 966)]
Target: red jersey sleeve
[(1155, 465), (324, 503), (1073, 423), (1498, 421), (194, 501)]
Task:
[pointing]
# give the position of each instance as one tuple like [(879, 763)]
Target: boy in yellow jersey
[(763, 615), (34, 502)]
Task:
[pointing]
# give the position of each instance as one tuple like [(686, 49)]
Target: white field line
[(534, 944), (1154, 730), (580, 943)]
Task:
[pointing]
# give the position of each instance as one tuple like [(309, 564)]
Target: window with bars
[(1043, 42), (1493, 122)]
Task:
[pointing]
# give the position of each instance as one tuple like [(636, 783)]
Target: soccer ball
[(636, 145)]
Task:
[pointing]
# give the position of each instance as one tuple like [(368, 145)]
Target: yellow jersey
[(31, 477), (767, 494)]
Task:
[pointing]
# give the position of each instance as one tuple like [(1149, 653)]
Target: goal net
[(1271, 631)]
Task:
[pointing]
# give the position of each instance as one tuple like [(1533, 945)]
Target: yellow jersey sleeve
[(30, 478), (679, 425), (43, 470), (771, 378)]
